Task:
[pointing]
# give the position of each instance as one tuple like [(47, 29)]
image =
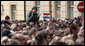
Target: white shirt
[(12, 32), (13, 26)]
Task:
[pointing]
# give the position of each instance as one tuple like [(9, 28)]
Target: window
[(58, 7), (71, 4), (13, 12), (38, 6)]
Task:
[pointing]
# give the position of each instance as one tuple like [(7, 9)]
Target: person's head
[(16, 21), (31, 23), (44, 23), (67, 31), (20, 21), (48, 38), (41, 24), (40, 37), (19, 37), (28, 27), (83, 23), (25, 33), (59, 43), (7, 18), (34, 10), (4, 40), (79, 41), (24, 25), (50, 23), (73, 29), (27, 37), (14, 42), (81, 33), (15, 29), (62, 34), (24, 29), (29, 42)]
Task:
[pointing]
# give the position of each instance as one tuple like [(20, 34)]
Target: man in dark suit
[(33, 16)]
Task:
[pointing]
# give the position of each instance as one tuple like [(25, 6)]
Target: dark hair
[(24, 25), (15, 29), (64, 26), (40, 37), (73, 27), (59, 43), (13, 42), (44, 20), (25, 33), (7, 17), (34, 8), (79, 24)]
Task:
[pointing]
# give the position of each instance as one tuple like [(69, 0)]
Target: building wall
[(76, 12), (7, 9), (44, 8), (63, 10)]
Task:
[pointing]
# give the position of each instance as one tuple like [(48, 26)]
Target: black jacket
[(34, 18)]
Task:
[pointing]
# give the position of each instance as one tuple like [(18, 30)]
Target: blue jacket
[(78, 20)]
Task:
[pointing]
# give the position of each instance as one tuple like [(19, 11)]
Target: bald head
[(18, 36)]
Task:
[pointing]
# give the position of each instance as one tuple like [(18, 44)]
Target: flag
[(46, 15), (58, 12)]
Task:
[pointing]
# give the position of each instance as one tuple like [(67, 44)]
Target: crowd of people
[(53, 32)]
